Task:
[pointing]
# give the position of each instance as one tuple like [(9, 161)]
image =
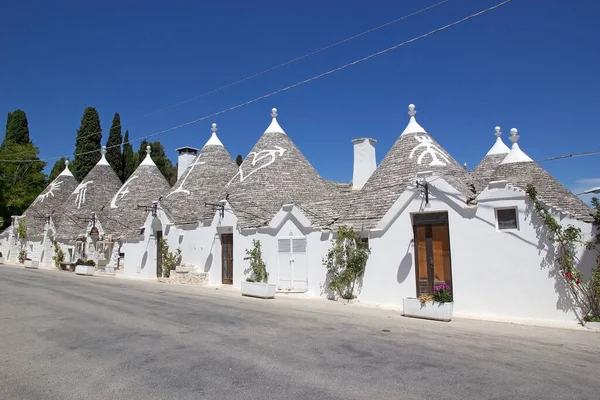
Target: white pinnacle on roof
[(66, 171), (103, 160), (516, 154), (499, 147), (413, 126), (274, 127), (148, 159), (214, 140)]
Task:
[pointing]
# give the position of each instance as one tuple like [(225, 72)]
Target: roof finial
[(148, 149), (66, 163), (103, 150), (498, 132), (465, 166), (413, 126), (513, 135), (274, 113), (411, 110), (214, 128)]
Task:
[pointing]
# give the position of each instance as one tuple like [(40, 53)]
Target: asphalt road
[(72, 337)]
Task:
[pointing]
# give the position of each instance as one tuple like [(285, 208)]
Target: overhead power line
[(271, 69), (295, 85), (584, 153)]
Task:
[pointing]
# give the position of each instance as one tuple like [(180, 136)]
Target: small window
[(506, 218)]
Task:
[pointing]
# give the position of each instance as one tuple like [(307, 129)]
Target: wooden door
[(432, 254), (227, 258), (159, 271)]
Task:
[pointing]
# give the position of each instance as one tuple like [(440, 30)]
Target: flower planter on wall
[(85, 270), (428, 310), (258, 289)]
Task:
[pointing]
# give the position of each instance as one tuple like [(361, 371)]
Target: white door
[(293, 264)]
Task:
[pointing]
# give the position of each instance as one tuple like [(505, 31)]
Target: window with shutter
[(298, 246), (284, 246)]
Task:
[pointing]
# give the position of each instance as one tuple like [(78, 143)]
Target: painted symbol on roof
[(261, 155), (53, 186), (81, 190), (180, 188), (426, 143), (122, 192)]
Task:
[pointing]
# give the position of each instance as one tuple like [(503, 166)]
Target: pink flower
[(568, 275)]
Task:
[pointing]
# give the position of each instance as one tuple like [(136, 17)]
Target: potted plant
[(85, 267), (436, 307), (257, 285)]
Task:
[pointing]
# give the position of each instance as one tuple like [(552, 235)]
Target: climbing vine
[(585, 292), (345, 262), (257, 265)]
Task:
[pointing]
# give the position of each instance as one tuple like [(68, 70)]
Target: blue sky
[(531, 65)]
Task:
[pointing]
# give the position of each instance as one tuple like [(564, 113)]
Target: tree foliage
[(257, 265), (20, 182), (345, 262), (87, 143), (129, 159), (58, 167), (169, 259), (113, 146), (158, 155), (17, 128), (584, 292)]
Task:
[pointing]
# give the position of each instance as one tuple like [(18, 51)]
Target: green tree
[(113, 146), (158, 155), (87, 143), (129, 158), (20, 182), (239, 160), (17, 128), (58, 167)]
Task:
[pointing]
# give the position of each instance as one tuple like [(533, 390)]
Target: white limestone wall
[(502, 275), (201, 246), (140, 253)]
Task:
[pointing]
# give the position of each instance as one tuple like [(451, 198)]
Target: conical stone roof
[(486, 167), (122, 217), (520, 170), (274, 173), (94, 192), (414, 151), (51, 199), (202, 182)]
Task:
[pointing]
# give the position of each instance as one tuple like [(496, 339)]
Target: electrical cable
[(256, 75), (297, 84)]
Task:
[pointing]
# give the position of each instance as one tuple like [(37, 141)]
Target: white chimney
[(364, 161), (186, 156)]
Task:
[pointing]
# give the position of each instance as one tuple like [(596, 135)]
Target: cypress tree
[(129, 162), (239, 160), (88, 142), (17, 128), (113, 146), (20, 183), (58, 167)]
